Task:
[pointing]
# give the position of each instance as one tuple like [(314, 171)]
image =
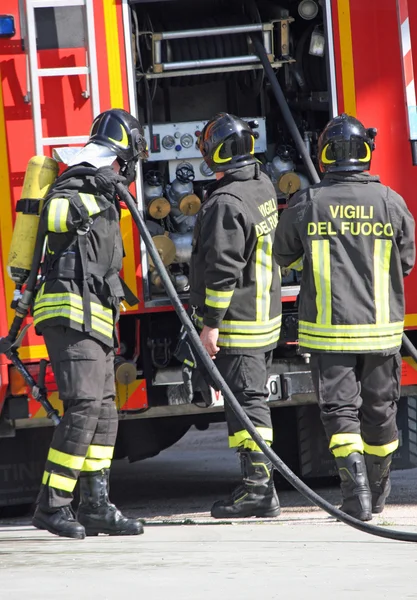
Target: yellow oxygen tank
[(40, 174)]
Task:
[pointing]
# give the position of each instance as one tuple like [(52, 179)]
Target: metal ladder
[(36, 73)]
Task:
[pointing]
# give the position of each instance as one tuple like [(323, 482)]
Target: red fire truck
[(175, 63)]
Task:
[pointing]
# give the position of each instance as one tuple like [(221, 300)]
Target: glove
[(106, 179)]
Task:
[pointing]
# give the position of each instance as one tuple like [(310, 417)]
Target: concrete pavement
[(186, 555)]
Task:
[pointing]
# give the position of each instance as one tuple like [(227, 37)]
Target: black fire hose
[(286, 113), (231, 400), (9, 345)]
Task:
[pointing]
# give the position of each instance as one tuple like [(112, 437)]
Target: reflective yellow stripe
[(263, 273), (60, 482), (249, 327), (240, 437), (51, 300), (248, 341), (343, 444), (322, 280), (383, 450), (91, 464), (45, 477), (70, 312), (258, 464), (350, 344), (100, 451), (57, 215), (90, 204), (217, 299), (65, 460), (297, 265), (382, 259), (351, 330), (251, 445)]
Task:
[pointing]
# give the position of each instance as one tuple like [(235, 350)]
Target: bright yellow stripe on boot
[(239, 438), (100, 451), (383, 450), (343, 444), (60, 482), (252, 445), (91, 464), (65, 460)]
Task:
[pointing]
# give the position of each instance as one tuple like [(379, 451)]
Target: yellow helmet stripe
[(216, 156), (324, 158), (368, 154), (124, 143)]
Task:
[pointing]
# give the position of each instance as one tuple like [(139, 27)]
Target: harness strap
[(82, 245)]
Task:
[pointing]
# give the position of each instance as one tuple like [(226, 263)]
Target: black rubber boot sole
[(222, 512), (40, 524), (93, 532)]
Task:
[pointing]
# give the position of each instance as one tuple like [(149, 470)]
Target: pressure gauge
[(187, 140), (205, 170), (168, 142)]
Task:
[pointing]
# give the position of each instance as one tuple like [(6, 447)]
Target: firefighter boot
[(256, 497), (378, 468), (59, 521), (95, 511), (354, 485)]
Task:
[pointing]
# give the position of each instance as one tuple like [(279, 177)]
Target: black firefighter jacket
[(234, 279), (356, 239), (81, 287)]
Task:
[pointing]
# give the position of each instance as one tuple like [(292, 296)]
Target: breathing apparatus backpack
[(40, 174)]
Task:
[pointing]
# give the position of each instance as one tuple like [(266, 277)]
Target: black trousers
[(358, 394), (247, 376), (85, 438)]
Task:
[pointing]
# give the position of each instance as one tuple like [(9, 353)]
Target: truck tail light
[(19, 387)]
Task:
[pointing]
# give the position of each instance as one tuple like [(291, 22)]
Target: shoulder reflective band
[(57, 215)]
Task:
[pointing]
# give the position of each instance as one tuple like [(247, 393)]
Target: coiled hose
[(281, 467)]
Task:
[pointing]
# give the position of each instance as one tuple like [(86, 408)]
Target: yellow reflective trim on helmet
[(124, 143), (253, 145), (368, 154), (383, 450), (324, 159), (95, 451), (65, 460), (216, 156)]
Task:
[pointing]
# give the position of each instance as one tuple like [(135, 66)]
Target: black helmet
[(227, 142), (345, 145), (123, 134)]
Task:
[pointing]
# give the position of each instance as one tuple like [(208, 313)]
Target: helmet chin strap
[(128, 170)]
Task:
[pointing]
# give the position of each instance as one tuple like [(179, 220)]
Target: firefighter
[(236, 299), (76, 309), (355, 239)]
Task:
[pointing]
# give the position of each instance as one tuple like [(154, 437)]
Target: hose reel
[(223, 47)]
